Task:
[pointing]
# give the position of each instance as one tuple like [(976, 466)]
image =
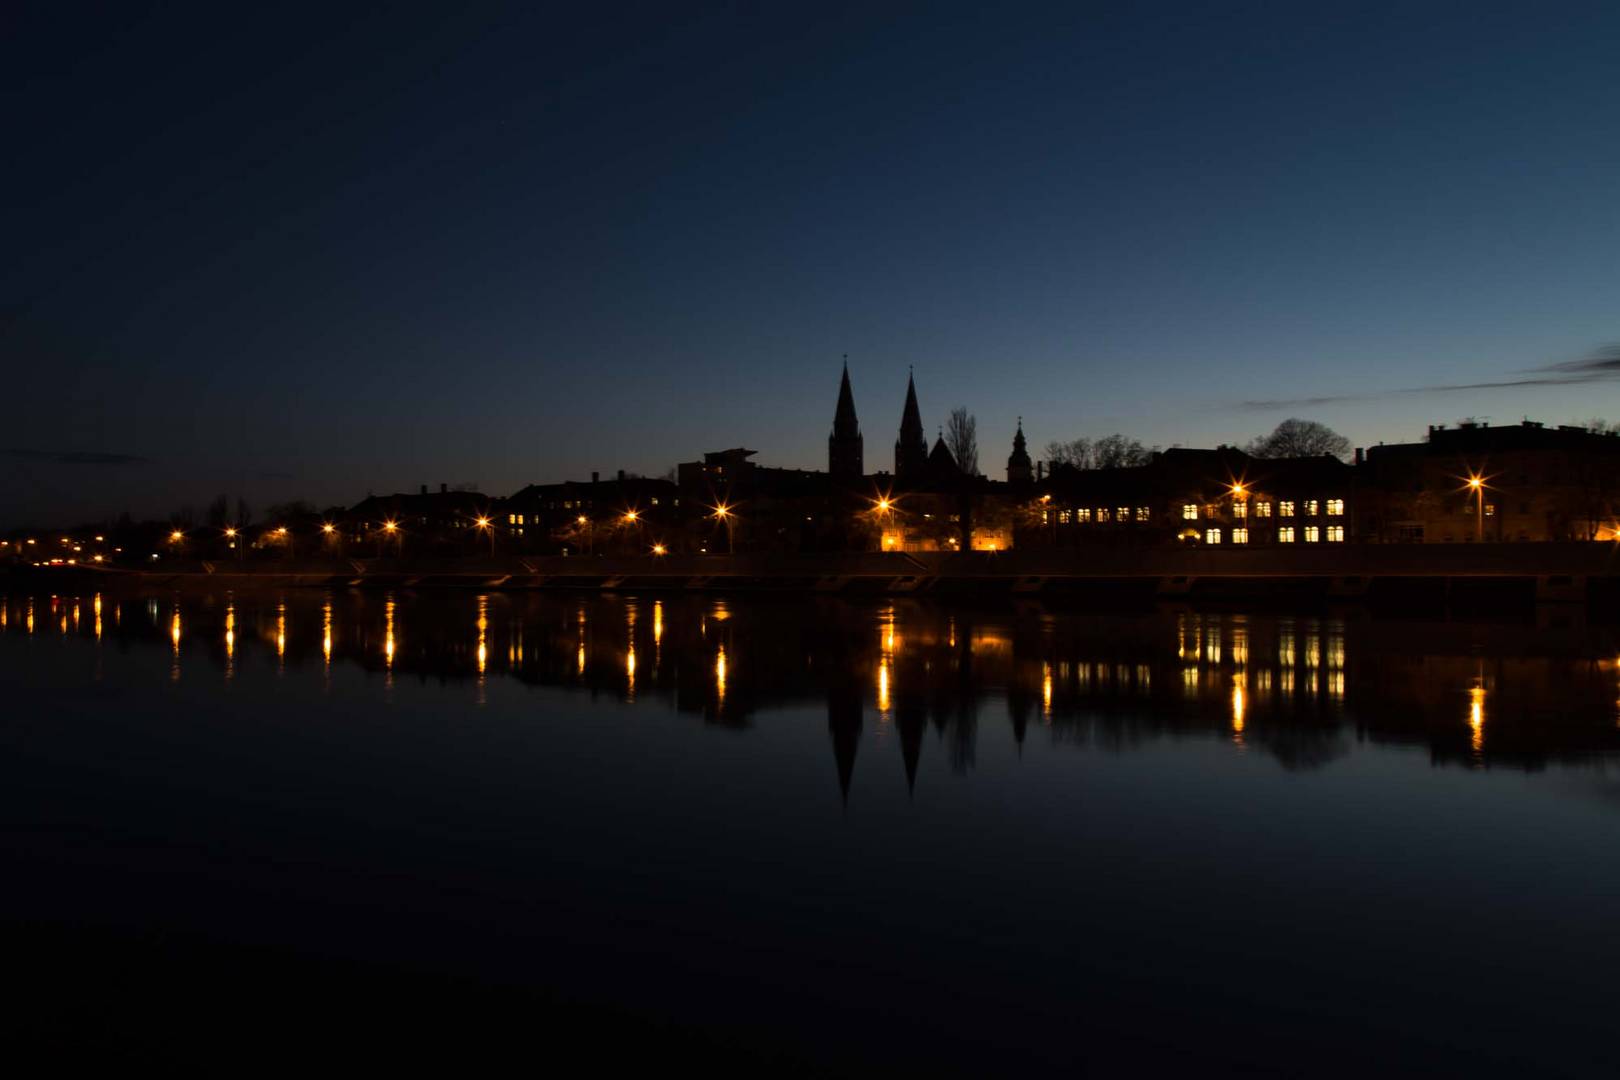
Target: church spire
[(1020, 470), (911, 449), (845, 449)]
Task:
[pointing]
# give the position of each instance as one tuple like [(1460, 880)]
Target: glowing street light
[(174, 537), (389, 528), (482, 522), (723, 514), (659, 549), (632, 516), (1476, 484)]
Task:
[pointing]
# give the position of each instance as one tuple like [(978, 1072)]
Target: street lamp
[(485, 524), (1477, 484), (659, 549), (724, 515), (390, 528), (590, 535), (230, 534)]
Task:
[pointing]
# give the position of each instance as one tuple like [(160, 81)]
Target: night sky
[(304, 253)]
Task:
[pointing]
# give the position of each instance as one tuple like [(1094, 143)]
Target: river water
[(806, 834)]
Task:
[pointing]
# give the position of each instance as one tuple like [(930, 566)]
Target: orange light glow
[(328, 528), (174, 537), (659, 549)]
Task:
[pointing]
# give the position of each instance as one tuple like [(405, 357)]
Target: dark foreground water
[(773, 834)]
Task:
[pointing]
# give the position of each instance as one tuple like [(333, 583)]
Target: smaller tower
[(846, 458), (1020, 470)]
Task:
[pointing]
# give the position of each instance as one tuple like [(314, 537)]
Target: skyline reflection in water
[(806, 825), (1301, 688)]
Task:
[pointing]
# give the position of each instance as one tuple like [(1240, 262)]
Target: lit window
[(1189, 512), (1046, 517), (1312, 534), (1240, 509), (1312, 508), (1262, 509), (568, 504), (1285, 535), (1240, 535), (1285, 508), (1063, 517), (1335, 534), (655, 500), (1122, 514), (1083, 514), (1102, 513), (1212, 536), (520, 519), (1490, 509), (1141, 513), (1335, 508), (511, 519)]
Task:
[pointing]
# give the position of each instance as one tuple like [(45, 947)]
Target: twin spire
[(846, 449)]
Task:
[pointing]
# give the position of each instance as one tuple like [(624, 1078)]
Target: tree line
[(1291, 438)]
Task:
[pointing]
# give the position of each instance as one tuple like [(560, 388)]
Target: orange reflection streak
[(1476, 717), (720, 675), (883, 677), (630, 653), (281, 631), (1239, 708), (1046, 689), (98, 616), (230, 637), (388, 632), (326, 631), (483, 633), (30, 618), (174, 629)]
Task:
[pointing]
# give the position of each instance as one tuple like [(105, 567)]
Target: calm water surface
[(803, 833)]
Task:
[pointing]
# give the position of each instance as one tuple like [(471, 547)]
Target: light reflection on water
[(1068, 801), (1285, 681)]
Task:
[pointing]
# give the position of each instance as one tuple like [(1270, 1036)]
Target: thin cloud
[(75, 457), (1602, 366)]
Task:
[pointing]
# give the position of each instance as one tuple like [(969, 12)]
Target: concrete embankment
[(1429, 575)]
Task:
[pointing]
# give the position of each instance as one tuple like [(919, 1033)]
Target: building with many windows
[(1196, 497)]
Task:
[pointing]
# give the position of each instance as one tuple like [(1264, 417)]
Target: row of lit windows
[(1286, 508), (1085, 515), (1333, 534)]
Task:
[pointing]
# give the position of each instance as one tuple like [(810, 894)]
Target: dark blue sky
[(314, 254)]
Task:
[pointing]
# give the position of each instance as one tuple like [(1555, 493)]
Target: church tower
[(1020, 470), (911, 449), (846, 458)]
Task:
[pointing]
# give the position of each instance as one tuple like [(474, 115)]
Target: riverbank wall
[(1430, 574)]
